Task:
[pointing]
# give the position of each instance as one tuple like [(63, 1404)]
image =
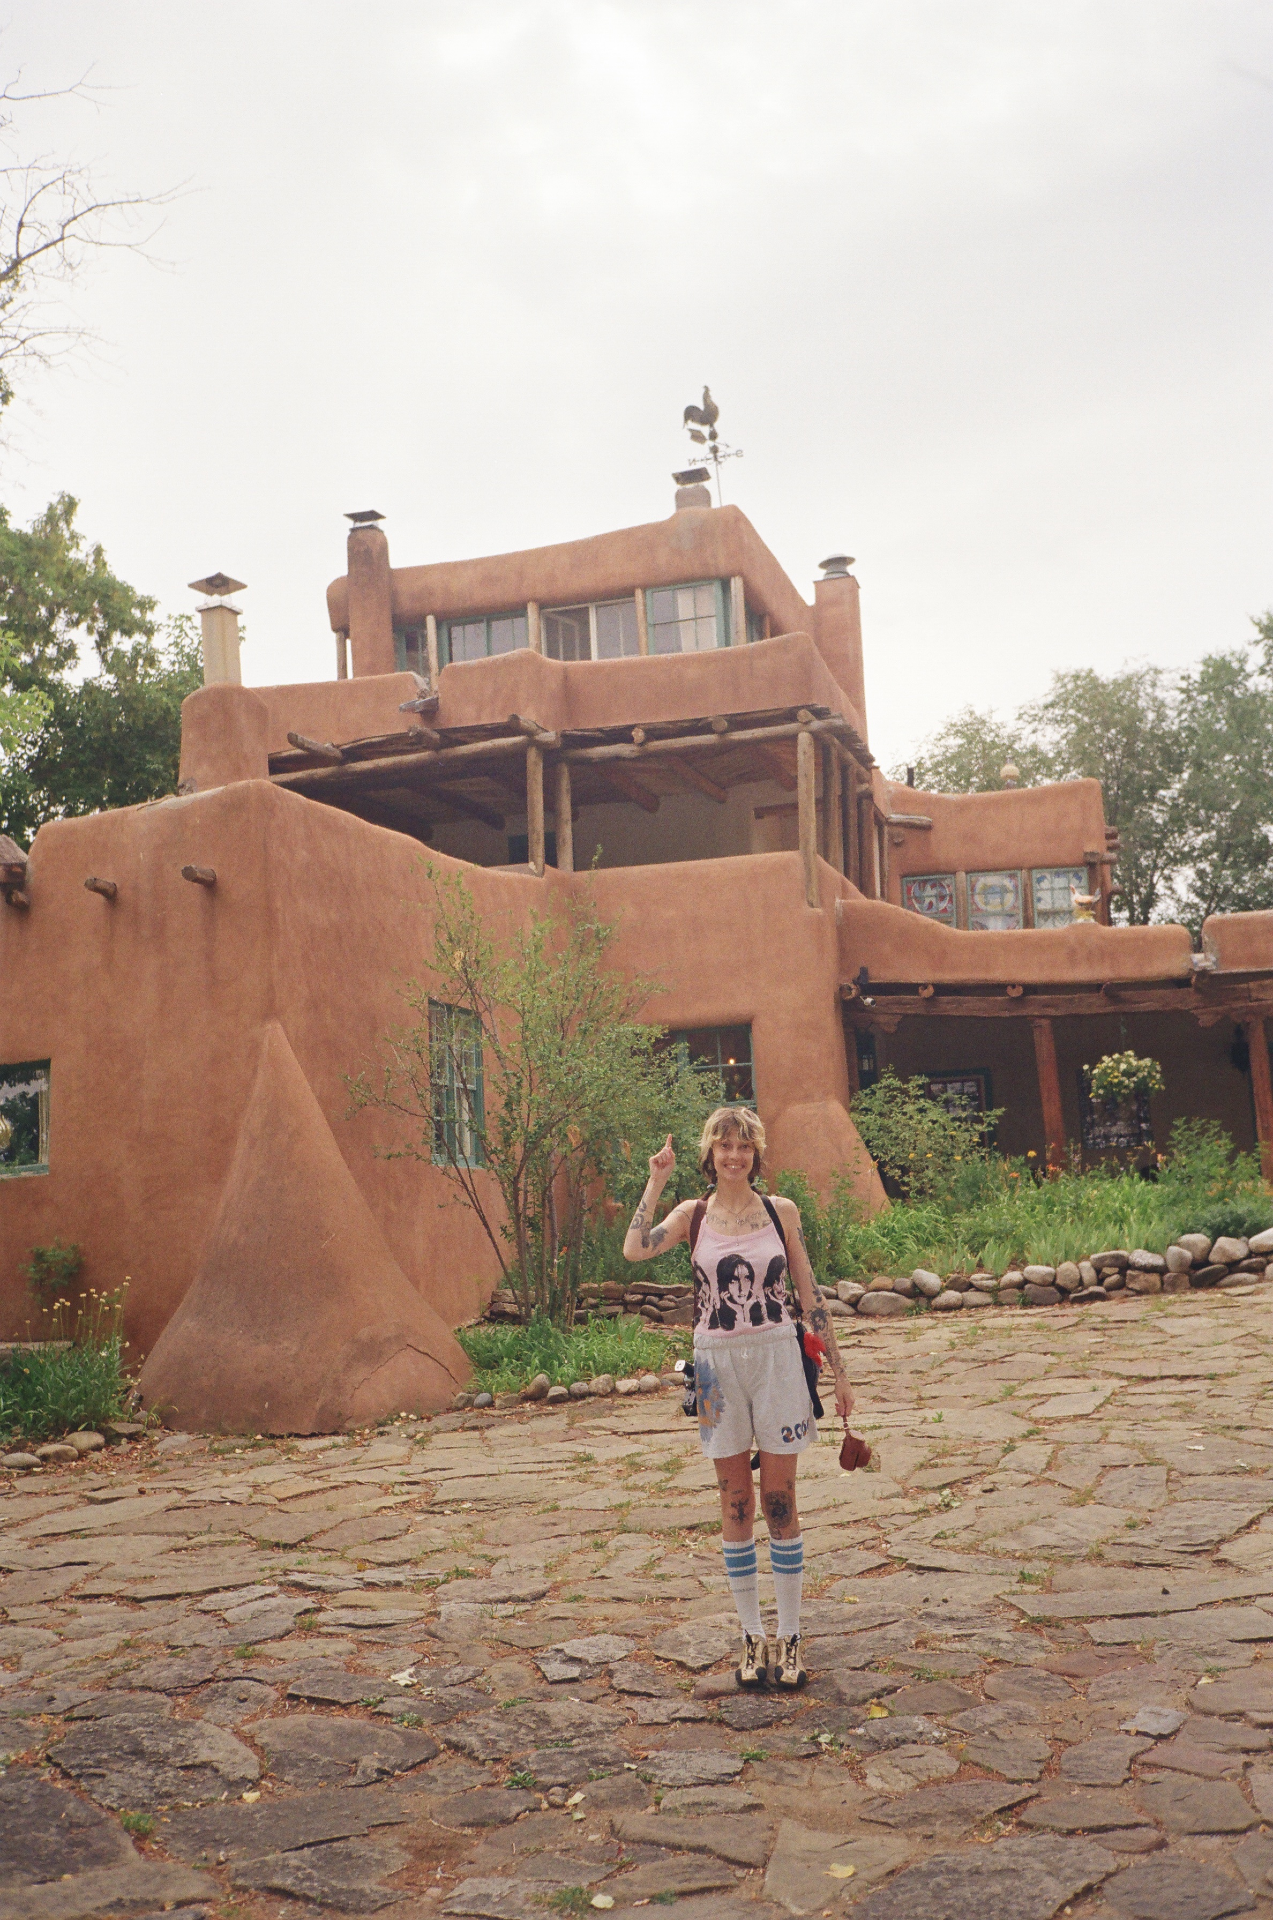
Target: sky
[(982, 288)]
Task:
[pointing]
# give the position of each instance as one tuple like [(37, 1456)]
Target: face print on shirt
[(737, 1297)]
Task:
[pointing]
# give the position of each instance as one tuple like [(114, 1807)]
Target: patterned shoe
[(789, 1662), (753, 1669)]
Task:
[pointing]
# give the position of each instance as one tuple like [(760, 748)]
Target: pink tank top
[(740, 1280)]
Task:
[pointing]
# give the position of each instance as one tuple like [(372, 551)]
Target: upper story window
[(481, 635), (1053, 889), (24, 1117), (728, 1050), (994, 902), (411, 650), (932, 894), (689, 619), (599, 630)]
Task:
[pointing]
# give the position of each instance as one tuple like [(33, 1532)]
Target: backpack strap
[(772, 1211), (696, 1222)]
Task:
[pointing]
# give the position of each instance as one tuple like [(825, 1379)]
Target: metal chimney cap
[(218, 584), (690, 477), (366, 518), (837, 566)]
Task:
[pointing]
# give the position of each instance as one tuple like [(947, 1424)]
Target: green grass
[(1002, 1211), (507, 1358), (51, 1389)]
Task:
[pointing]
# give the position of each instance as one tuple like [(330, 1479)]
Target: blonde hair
[(740, 1120)]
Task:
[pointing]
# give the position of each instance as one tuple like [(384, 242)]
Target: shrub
[(918, 1143), (53, 1268), (507, 1358), (1238, 1218), (55, 1388)]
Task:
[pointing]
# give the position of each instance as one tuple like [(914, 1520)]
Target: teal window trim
[(487, 620), (720, 591), (24, 1106), (456, 1084), (411, 650)]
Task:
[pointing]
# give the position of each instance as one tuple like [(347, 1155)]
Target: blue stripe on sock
[(741, 1559), (786, 1556)]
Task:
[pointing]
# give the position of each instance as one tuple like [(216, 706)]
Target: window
[(601, 630), (868, 1063), (455, 1072), (728, 1049), (1053, 889), (994, 902), (24, 1117), (480, 636), (932, 894), (687, 619), (962, 1094), (411, 650)]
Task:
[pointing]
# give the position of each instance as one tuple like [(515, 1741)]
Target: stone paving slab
[(466, 1665)]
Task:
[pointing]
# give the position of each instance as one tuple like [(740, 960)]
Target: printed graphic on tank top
[(741, 1280)]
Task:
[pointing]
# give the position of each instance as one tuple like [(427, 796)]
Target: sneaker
[(753, 1669), (789, 1662)]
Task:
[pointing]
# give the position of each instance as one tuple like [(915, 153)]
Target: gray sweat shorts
[(750, 1388)]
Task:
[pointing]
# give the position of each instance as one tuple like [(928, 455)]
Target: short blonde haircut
[(740, 1120)]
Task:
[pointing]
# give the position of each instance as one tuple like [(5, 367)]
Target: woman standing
[(748, 1365)]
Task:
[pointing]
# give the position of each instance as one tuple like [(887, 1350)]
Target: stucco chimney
[(837, 629), (370, 596), (690, 490), (219, 622)]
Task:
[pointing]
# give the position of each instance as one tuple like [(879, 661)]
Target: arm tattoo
[(638, 1223), (820, 1321), (654, 1240)]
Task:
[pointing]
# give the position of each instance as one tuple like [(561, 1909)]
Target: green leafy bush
[(53, 1268), (999, 1211), (63, 1388), (919, 1144), (507, 1358)]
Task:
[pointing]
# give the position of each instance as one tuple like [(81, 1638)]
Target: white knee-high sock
[(786, 1557), (740, 1567)]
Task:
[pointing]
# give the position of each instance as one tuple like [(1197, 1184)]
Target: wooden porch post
[(853, 864), (1050, 1092), (833, 802), (807, 812), (565, 820), (431, 642), (535, 806), (1262, 1089)]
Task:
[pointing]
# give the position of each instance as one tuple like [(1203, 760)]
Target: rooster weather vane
[(700, 423)]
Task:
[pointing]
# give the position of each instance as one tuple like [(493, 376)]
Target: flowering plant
[(1121, 1076)]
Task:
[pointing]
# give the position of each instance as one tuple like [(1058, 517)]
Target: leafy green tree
[(107, 740), (527, 1078), (968, 755)]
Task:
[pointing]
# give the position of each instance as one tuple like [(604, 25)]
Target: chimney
[(219, 622), (691, 488), (370, 596), (837, 630)]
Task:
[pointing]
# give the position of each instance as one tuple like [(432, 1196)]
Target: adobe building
[(655, 716)]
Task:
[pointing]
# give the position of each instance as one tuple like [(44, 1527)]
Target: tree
[(527, 1078), (53, 215), (1182, 762), (109, 740)]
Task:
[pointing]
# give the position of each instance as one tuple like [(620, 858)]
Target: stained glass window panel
[(994, 902), (961, 1094), (1054, 888), (932, 894)]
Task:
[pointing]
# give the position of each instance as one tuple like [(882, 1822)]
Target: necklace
[(728, 1217)]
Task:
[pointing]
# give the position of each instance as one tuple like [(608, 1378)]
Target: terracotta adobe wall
[(154, 1011), (1238, 940), (1050, 826), (896, 945)]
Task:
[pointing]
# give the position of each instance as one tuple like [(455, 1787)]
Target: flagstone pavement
[(480, 1665)]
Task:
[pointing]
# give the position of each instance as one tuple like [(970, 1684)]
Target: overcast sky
[(982, 288)]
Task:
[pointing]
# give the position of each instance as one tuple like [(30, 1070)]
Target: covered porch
[(1023, 1048)]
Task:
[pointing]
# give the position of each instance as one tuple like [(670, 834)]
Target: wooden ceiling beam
[(776, 766), (630, 787)]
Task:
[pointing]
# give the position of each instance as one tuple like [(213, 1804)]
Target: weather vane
[(695, 420)]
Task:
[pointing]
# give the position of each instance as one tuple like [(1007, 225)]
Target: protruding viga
[(299, 1319)]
